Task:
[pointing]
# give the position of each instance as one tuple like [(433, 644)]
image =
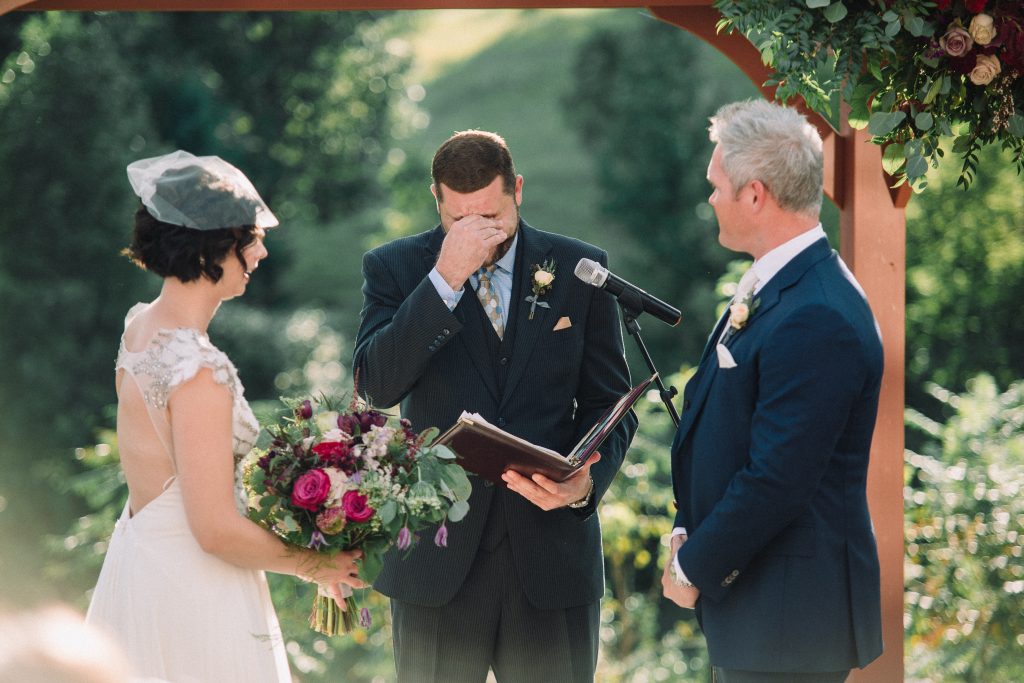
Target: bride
[(182, 586)]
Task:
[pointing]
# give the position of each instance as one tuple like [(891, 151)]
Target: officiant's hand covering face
[(203, 193)]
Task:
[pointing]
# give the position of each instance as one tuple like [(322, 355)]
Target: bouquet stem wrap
[(328, 618)]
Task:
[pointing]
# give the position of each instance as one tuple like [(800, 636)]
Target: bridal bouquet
[(343, 479)]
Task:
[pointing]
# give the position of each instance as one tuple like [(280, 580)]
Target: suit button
[(501, 422), (488, 483), (445, 332), (504, 360)]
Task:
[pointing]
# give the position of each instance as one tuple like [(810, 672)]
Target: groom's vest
[(500, 353)]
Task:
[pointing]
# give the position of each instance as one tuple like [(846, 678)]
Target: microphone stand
[(632, 306)]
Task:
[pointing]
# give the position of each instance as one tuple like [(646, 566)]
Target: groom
[(446, 326), (773, 543)]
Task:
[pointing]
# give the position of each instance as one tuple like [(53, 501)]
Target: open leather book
[(488, 451)]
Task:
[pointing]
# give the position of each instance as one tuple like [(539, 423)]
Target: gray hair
[(764, 141)]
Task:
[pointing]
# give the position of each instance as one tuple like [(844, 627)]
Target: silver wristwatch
[(585, 500)]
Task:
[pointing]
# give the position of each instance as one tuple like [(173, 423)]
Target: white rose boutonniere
[(740, 311), (738, 314), (542, 277)]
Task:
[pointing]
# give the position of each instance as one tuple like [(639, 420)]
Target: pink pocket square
[(562, 324)]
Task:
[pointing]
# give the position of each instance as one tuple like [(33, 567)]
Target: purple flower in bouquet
[(304, 411), (355, 505), (317, 541), (348, 423), (441, 537), (371, 418), (404, 539), (364, 617), (311, 490)]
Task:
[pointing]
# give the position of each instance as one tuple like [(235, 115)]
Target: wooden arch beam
[(872, 227)]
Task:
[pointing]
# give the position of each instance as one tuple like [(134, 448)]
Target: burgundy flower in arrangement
[(349, 424)]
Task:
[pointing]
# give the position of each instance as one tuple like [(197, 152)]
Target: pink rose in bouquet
[(356, 509), (311, 489)]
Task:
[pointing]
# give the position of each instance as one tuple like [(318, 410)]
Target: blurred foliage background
[(335, 117)]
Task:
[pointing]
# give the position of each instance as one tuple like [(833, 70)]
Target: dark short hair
[(470, 160), (184, 253)]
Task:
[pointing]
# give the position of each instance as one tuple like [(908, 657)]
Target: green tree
[(964, 531), (965, 280), (641, 107), (63, 286)]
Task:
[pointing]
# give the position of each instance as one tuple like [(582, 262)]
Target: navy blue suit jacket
[(411, 349), (770, 469)]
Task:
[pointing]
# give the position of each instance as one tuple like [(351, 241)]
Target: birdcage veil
[(204, 193)]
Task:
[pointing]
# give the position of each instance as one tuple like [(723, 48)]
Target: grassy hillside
[(509, 71)]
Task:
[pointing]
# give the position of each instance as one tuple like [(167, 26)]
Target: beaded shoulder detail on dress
[(172, 358)]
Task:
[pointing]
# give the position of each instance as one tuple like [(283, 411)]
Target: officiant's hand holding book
[(489, 451)]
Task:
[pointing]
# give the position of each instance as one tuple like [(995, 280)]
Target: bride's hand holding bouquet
[(347, 485)]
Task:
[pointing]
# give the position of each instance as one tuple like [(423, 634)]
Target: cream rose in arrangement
[(982, 29), (985, 69)]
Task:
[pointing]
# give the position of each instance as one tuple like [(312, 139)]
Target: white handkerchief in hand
[(725, 359)]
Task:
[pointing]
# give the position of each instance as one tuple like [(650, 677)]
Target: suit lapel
[(534, 248), (471, 336), (768, 297), (790, 274)]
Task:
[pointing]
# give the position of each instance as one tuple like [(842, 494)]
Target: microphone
[(593, 273)]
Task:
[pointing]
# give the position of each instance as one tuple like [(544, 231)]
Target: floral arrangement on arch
[(912, 71), (340, 478)]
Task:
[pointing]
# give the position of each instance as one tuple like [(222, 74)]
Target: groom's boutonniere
[(740, 311), (543, 276)]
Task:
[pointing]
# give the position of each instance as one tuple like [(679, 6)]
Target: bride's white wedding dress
[(182, 614)]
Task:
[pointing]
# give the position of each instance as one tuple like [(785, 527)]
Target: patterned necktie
[(746, 285), (489, 299)]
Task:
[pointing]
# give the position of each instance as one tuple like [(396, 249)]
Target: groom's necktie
[(489, 299)]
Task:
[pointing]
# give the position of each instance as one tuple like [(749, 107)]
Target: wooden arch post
[(872, 229)]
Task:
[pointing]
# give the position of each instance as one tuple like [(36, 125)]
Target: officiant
[(482, 314)]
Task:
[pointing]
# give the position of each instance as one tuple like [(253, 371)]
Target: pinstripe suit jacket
[(411, 349)]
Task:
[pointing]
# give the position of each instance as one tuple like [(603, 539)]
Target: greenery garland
[(912, 71)]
